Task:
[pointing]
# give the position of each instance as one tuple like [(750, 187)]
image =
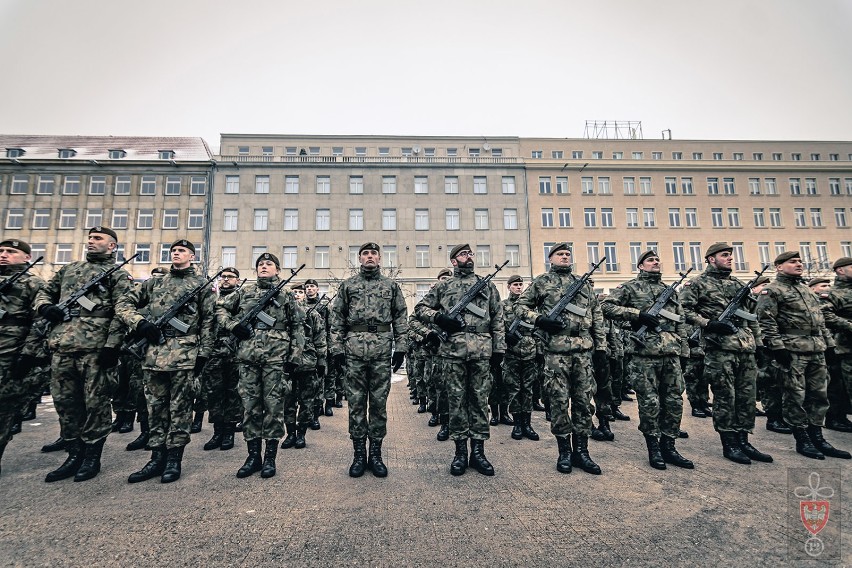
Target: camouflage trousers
[(36, 381), (12, 393), (129, 394), (436, 385), (840, 387), (368, 382), (732, 377), (616, 377), (696, 383), (518, 376), (539, 392), (263, 388), (658, 383), (334, 381), (220, 381), (82, 395), (603, 394), (418, 372), (498, 390), (805, 398), (770, 390), (468, 385), (569, 385), (299, 404), (319, 387), (169, 395)]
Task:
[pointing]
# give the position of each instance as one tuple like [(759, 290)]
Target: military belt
[(279, 326), (576, 332), (482, 328), (169, 331), (370, 328), (12, 321), (802, 332), (77, 312)]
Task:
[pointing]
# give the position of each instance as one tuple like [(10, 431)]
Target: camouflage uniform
[(837, 310), (307, 380), (420, 354), (693, 375), (221, 378), (615, 354), (519, 367)]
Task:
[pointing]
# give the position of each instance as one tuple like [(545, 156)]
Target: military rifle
[(168, 318), (659, 309), (464, 303), (7, 284), (316, 305), (566, 302)]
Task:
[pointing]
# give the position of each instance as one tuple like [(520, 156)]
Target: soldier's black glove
[(289, 367), (448, 324), (199, 365), (761, 356), (241, 331), (52, 313), (432, 341), (23, 366), (601, 363), (496, 362), (339, 361), (108, 357), (646, 319), (783, 357), (550, 325), (512, 339), (720, 328), (396, 360), (149, 331), (830, 355)]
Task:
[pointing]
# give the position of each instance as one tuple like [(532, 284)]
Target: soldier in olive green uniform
[(793, 328), (468, 355), (326, 392), (421, 344), (16, 307), (654, 367), (519, 364), (369, 329), (573, 340), (615, 355), (173, 358), (439, 405), (729, 358), (837, 310), (85, 349)]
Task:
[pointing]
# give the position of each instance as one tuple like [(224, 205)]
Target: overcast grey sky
[(726, 69)]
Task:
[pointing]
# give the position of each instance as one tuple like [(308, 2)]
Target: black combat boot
[(671, 455), (838, 423), (329, 407), (228, 435), (459, 463), (731, 448), (580, 456), (804, 445), (495, 415), (374, 459), (174, 458), (338, 401), (197, 422), (268, 469), (478, 461), (538, 406), (359, 460), (253, 461), (654, 456), (681, 433), (751, 451), (125, 425), (116, 422), (216, 440), (527, 429), (421, 409), (517, 431), (154, 468), (821, 444), (505, 417), (91, 465), (604, 429), (444, 432), (2, 449), (141, 440), (72, 462), (563, 462), (708, 410), (698, 411), (16, 426), (238, 427), (618, 414), (30, 414), (300, 442), (434, 420), (315, 423), (59, 444), (290, 439), (776, 424)]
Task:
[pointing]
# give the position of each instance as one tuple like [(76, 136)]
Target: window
[(774, 217), (45, 185), (166, 253), (65, 154), (536, 154), (593, 252), (197, 185), (312, 150), (733, 217), (691, 216), (407, 151), (754, 186), (603, 186), (674, 217), (637, 155), (170, 218), (232, 184), (323, 220), (564, 217), (15, 219), (763, 253), (67, 218), (71, 185), (389, 257), (453, 152), (645, 185), (618, 155), (421, 256), (291, 184), (510, 219), (671, 186), (840, 217), (513, 255), (629, 186), (718, 156), (822, 256), (122, 185), (606, 217), (759, 219), (41, 218), (508, 184), (611, 263), (323, 184), (320, 257), (388, 184), (20, 185), (648, 217), (656, 155), (810, 186), (261, 219), (697, 156), (451, 184), (845, 248), (148, 185), (729, 186), (632, 217), (577, 155), (389, 219), (757, 156), (229, 222), (587, 185), (815, 157), (597, 155), (483, 255), (119, 219), (243, 150), (771, 186), (421, 184), (716, 217), (15, 153), (799, 217), (360, 151), (166, 155), (422, 290), (544, 185), (807, 257), (172, 185), (795, 157), (261, 184), (562, 185), (848, 182), (421, 219), (195, 219), (738, 155), (834, 186), (63, 254), (291, 219), (816, 217), (480, 219), (713, 186), (289, 257), (119, 254), (266, 151), (556, 154), (452, 218), (686, 186), (679, 257), (255, 254), (547, 217), (777, 156), (834, 157), (677, 155), (383, 151), (635, 253), (356, 219), (740, 265), (94, 218)]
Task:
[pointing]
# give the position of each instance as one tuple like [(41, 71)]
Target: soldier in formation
[(519, 364), (837, 310)]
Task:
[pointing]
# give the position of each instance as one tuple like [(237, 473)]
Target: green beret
[(298, 287), (717, 248), (17, 244), (458, 248), (158, 271), (645, 255), (369, 246), (311, 281), (841, 262), (762, 280), (818, 280), (445, 272), (785, 256), (558, 247), (182, 243), (514, 278), (104, 231), (232, 270), (268, 256)]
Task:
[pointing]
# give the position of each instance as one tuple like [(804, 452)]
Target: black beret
[(17, 244), (268, 256), (298, 287), (369, 246), (645, 255), (158, 270), (558, 247), (818, 280), (514, 278), (457, 249), (311, 281), (762, 280), (785, 256), (183, 243), (232, 270), (445, 272), (717, 248), (104, 231), (841, 262)]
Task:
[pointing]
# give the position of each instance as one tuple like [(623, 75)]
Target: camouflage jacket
[(790, 317), (88, 331), (614, 338), (284, 342), (153, 298), (484, 333), (705, 297), (525, 348), (222, 342), (16, 322), (369, 318), (417, 332), (628, 299), (582, 332), (837, 311), (316, 347)]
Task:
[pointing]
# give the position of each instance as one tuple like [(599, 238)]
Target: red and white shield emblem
[(814, 515)]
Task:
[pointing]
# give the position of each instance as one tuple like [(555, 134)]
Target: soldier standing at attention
[(468, 356), (519, 365), (837, 309), (654, 368), (437, 384), (729, 358), (173, 359), (84, 349), (15, 322), (369, 330), (326, 392), (794, 330), (572, 343), (267, 357)]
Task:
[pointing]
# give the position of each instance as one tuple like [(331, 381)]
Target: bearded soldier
[(837, 309)]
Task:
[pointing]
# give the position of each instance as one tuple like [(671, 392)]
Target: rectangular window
[(686, 186), (740, 265), (637, 155), (729, 186), (671, 186), (759, 219), (71, 185), (229, 256), (733, 217), (451, 184), (562, 185), (848, 182), (119, 219), (544, 185), (697, 156), (618, 155), (291, 219), (649, 218), (795, 186), (360, 150), (606, 217), (611, 255), (94, 218), (312, 150), (64, 254), (291, 184), (635, 253), (822, 256), (799, 217), (674, 217), (229, 222), (170, 218), (593, 253), (421, 184), (632, 217), (510, 219), (513, 255), (656, 155), (421, 291), (45, 185), (679, 256), (20, 185), (777, 156), (816, 217), (718, 156), (165, 253), (122, 185), (587, 185), (629, 186), (716, 217), (547, 217), (421, 219), (197, 185), (289, 257), (564, 217), (41, 218), (261, 184), (845, 246), (67, 218), (754, 186), (604, 187), (173, 185), (261, 219), (597, 155), (421, 256), (810, 186), (480, 218), (452, 218), (119, 254), (556, 154), (321, 257), (483, 256), (645, 186), (232, 184), (148, 185), (356, 219), (677, 155), (577, 155), (738, 155), (834, 186), (696, 259), (691, 217), (774, 217), (771, 186), (15, 219), (389, 219), (590, 217), (713, 186), (255, 254), (388, 184), (508, 184), (763, 253), (323, 184), (389, 257), (815, 157), (536, 154), (195, 219), (480, 185), (840, 217), (323, 222)]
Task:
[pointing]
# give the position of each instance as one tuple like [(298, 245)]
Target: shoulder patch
[(823, 295), (764, 292), (688, 283)]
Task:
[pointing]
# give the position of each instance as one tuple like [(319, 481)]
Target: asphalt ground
[(313, 514)]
